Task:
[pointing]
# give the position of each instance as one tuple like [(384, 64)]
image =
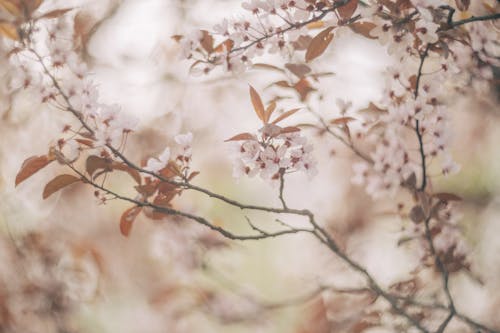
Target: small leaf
[(86, 142), (269, 111), (207, 41), (257, 104), (363, 28), (226, 45), (285, 115), (58, 183), (193, 174), (417, 214), (302, 43), (372, 108), (300, 70), (94, 163), (267, 66), (177, 38), (447, 197), (341, 121), (319, 44), (11, 7), (289, 129), (303, 88), (55, 13), (146, 190), (31, 166), (315, 25), (462, 5), (9, 30), (348, 9), (242, 136), (127, 219), (132, 172)]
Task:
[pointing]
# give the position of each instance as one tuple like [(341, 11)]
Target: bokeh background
[(156, 279)]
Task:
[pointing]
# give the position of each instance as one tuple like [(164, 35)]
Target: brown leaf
[(147, 190), (193, 174), (289, 129), (303, 87), (302, 43), (417, 214), (267, 66), (55, 13), (269, 111), (372, 108), (413, 81), (363, 28), (31, 166), (9, 30), (257, 104), (12, 6), (225, 45), (341, 121), (447, 197), (58, 183), (285, 115), (282, 84), (242, 136), (94, 163), (462, 5), (207, 41), (132, 172), (86, 142), (127, 219), (319, 44), (31, 5), (300, 70), (348, 9)]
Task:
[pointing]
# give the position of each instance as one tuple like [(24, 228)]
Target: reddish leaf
[(302, 43), (348, 9), (85, 142), (462, 5), (31, 166), (207, 41), (363, 28), (267, 66), (341, 121), (289, 129), (319, 44), (257, 104), (300, 70), (147, 190), (58, 183), (282, 84), (132, 172), (9, 30), (12, 7), (242, 136), (94, 163), (269, 111), (55, 13), (303, 88), (417, 214), (226, 45), (285, 115), (193, 174), (447, 197), (127, 219)]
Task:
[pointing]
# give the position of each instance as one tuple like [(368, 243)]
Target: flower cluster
[(273, 153), (101, 125), (181, 157)]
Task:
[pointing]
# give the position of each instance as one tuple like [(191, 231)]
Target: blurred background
[(65, 267)]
